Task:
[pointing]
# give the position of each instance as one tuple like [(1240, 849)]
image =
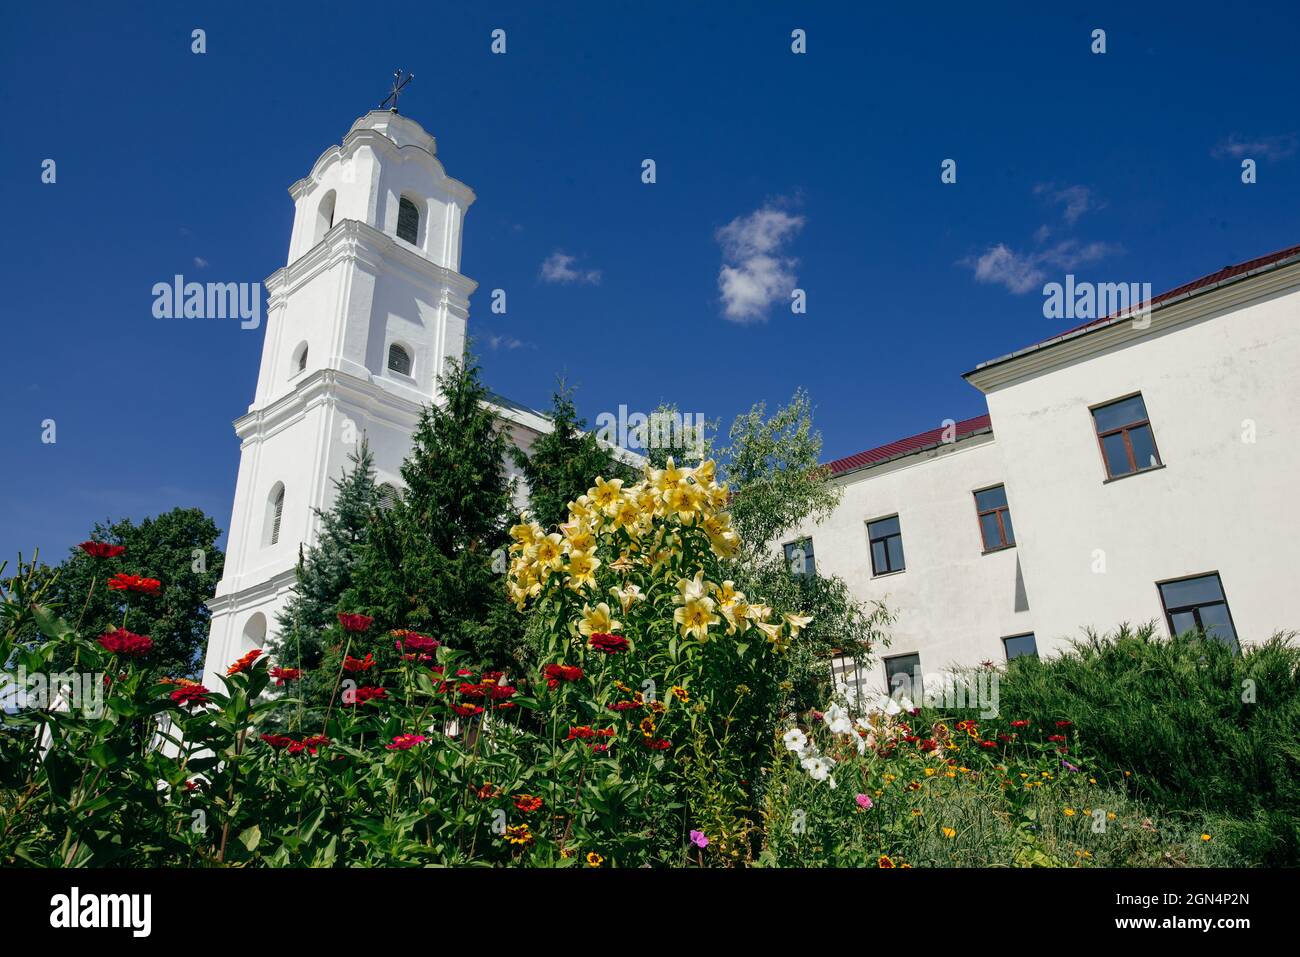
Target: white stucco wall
[(1217, 372), (1221, 503), (953, 602)]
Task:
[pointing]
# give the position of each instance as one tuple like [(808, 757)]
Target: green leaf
[(250, 837)]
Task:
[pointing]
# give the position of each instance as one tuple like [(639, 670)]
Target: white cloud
[(200, 262), (1074, 200), (503, 342), (1264, 147), (754, 273), (1023, 272), (558, 267)]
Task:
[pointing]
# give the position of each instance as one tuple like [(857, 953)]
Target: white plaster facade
[(350, 291), (1216, 364)]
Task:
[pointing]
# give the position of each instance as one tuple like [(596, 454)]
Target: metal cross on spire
[(399, 85)]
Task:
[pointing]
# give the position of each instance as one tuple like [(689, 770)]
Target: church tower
[(359, 323)]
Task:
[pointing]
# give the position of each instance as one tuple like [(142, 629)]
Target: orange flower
[(527, 803), (124, 582), (244, 663)]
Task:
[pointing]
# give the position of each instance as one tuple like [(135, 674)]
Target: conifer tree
[(565, 462), (325, 572), (435, 561)]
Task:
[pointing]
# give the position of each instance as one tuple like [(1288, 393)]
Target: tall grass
[(1199, 727)]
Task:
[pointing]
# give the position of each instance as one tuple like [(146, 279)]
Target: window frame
[(871, 542), (410, 360), (415, 210), (1124, 430), (997, 511), (913, 693), (1195, 610), (1024, 634), (810, 557)]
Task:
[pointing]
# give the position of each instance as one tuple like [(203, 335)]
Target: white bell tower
[(359, 323)]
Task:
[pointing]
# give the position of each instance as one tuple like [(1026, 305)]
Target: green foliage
[(771, 464), (1198, 726), (931, 790), (325, 573), (176, 547), (565, 462), (433, 563)]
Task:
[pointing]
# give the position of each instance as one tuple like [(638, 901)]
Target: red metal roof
[(913, 443)]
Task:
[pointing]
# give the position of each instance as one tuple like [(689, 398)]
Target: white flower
[(795, 740), (837, 719), (818, 768)]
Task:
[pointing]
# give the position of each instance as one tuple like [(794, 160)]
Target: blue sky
[(820, 170)]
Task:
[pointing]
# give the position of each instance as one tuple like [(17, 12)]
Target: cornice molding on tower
[(1122, 331), (451, 187), (256, 593), (351, 240)]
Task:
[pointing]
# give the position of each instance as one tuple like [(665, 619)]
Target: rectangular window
[(886, 542), (995, 518), (799, 557), (1124, 433), (903, 676), (1192, 603), (1018, 646)]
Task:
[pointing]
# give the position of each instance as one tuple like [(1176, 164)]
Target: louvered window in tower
[(277, 510), (399, 360), (408, 222)]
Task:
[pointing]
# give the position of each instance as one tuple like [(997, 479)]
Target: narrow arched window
[(324, 216), (399, 360), (302, 359), (277, 512), (408, 222)]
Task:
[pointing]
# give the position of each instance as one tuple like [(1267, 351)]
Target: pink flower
[(699, 839), (404, 742), (864, 801)]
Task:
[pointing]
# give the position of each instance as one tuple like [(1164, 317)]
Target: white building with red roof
[(1142, 467)]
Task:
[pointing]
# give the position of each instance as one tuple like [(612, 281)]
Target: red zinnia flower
[(1020, 724), (123, 642), (657, 744), (610, 644), (281, 675), (244, 663), (988, 744), (359, 664), (354, 622), (362, 695), (190, 694), (556, 673), (1056, 737), (1064, 724), (501, 692), (527, 803), (598, 748), (124, 582), (314, 742), (414, 641), (278, 741), (580, 731), (929, 744), (466, 710), (404, 742), (101, 549)]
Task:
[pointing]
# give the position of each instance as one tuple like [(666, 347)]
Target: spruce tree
[(564, 463), (429, 565), (325, 572)]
